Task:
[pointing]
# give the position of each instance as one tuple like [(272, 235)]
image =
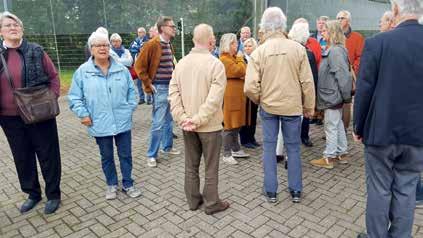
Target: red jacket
[(313, 45), (354, 44)]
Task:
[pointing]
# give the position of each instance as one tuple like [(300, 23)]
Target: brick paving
[(333, 204)]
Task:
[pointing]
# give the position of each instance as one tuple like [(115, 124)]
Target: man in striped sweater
[(154, 67)]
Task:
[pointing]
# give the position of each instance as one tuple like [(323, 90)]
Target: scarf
[(119, 51)]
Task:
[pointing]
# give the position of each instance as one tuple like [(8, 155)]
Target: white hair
[(9, 15), (141, 29), (346, 13), (273, 19), (409, 7), (96, 37), (115, 36), (103, 30), (226, 41), (299, 33)]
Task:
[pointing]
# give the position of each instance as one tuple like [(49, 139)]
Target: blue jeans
[(143, 97), (123, 144), (162, 124), (419, 191), (291, 130)]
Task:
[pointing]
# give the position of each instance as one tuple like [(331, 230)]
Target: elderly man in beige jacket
[(279, 79), (196, 97)]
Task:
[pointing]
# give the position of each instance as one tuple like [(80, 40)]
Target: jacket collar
[(408, 23), (113, 68), (200, 51)]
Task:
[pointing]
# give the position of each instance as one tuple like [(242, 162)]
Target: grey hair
[(409, 7), (226, 41), (346, 13), (273, 19), (252, 41), (97, 36), (299, 33), (115, 36), (142, 29), (9, 15), (323, 18)]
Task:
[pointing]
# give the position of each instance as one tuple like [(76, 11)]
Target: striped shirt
[(165, 69)]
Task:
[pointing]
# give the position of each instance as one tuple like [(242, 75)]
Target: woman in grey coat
[(333, 90)]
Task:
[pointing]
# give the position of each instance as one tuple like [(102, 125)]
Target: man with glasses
[(354, 43), (154, 66)]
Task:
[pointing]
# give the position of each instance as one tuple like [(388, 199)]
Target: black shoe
[(29, 204), (362, 235), (249, 145), (271, 197), (286, 164), (280, 158), (141, 102), (307, 143), (51, 206), (256, 143), (296, 196), (174, 136)]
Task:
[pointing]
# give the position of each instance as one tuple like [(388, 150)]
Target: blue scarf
[(119, 51)]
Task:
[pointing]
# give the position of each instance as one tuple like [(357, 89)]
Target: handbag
[(35, 104)]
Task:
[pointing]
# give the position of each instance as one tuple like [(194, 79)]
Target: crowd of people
[(291, 79)]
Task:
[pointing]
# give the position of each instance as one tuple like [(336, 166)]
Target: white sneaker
[(111, 192), (171, 152), (152, 162), (239, 154), (229, 160), (132, 192)]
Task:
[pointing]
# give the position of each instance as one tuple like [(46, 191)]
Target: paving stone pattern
[(333, 204)]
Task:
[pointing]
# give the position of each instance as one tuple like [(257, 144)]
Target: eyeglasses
[(341, 18), (101, 45), (171, 26), (15, 25)]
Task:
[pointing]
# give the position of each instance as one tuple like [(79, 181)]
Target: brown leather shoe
[(222, 206)]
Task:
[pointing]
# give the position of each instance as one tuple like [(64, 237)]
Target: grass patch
[(65, 80)]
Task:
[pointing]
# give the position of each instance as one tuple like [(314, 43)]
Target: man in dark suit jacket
[(388, 119)]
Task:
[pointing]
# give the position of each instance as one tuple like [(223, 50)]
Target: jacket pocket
[(329, 97)]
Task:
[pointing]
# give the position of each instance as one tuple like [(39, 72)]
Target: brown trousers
[(346, 115), (206, 144)]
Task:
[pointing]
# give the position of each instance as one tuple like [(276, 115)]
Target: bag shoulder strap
[(6, 71)]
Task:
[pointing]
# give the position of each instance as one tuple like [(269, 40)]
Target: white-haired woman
[(300, 33), (333, 90), (234, 99), (118, 51), (248, 131), (103, 96), (29, 66)]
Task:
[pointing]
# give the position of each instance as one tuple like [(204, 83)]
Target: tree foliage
[(82, 16)]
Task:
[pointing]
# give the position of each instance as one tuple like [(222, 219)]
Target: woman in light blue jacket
[(103, 96)]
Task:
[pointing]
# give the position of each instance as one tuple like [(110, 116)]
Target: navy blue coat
[(388, 107)]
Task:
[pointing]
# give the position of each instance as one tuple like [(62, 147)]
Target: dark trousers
[(247, 132), (123, 145), (28, 142), (392, 173), (305, 128), (206, 144)]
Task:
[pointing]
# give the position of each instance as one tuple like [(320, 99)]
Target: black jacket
[(388, 107)]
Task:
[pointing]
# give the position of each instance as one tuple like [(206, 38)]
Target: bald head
[(203, 35)]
